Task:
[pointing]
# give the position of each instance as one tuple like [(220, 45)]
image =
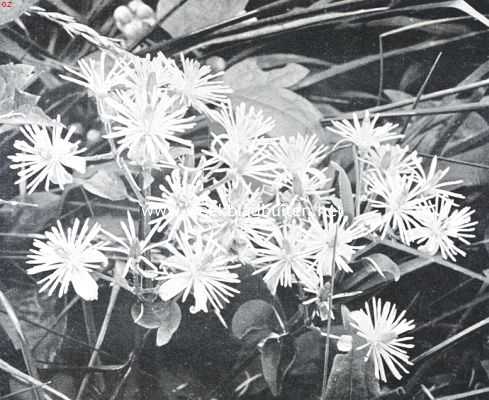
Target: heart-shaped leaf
[(253, 321), (278, 353), (152, 315)]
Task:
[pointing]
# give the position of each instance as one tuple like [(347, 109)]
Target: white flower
[(364, 135), (286, 258), (242, 151), (147, 124), (297, 159), (148, 74), (442, 223), (69, 258), (45, 156), (100, 77), (432, 182), (132, 247), (391, 159), (184, 204), (241, 215), (201, 268), (332, 236), (382, 329), (241, 125), (197, 86), (397, 198)]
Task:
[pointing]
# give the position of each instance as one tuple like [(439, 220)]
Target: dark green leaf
[(277, 356), (169, 324), (309, 347), (346, 193), (352, 378), (153, 315), (253, 321)]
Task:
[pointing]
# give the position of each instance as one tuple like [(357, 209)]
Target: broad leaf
[(107, 184), (169, 324), (277, 356), (194, 15), (309, 347), (352, 378), (253, 321), (267, 90), (152, 315)]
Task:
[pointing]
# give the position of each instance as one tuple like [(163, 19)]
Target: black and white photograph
[(244, 199)]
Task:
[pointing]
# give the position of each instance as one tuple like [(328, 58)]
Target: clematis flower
[(201, 268), (364, 135), (197, 86), (146, 125), (132, 247), (44, 156), (183, 204), (441, 225), (382, 329), (70, 258), (393, 160), (286, 258), (332, 236)]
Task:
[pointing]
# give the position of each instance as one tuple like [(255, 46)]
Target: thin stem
[(358, 179), (100, 339), (328, 328)]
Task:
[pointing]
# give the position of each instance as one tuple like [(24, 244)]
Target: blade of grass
[(435, 260), (464, 395), (25, 378), (364, 61), (26, 351), (451, 340)]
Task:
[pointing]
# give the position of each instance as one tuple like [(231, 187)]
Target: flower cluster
[(252, 198)]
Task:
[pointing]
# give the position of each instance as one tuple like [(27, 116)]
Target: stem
[(358, 179), (328, 328), (100, 339)]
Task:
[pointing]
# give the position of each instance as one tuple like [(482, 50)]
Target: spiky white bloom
[(183, 203), (100, 77), (442, 224), (145, 125), (297, 159), (197, 86), (242, 151), (382, 329), (69, 257), (201, 268), (286, 258), (432, 181), (332, 236), (135, 249), (364, 135), (393, 160), (241, 215), (45, 156), (397, 198), (149, 73)]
